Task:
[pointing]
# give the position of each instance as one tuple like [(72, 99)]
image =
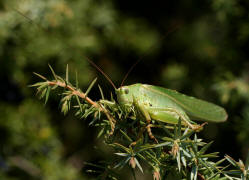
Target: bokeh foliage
[(206, 56)]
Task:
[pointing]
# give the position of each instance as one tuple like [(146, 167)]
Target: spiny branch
[(83, 96), (75, 92)]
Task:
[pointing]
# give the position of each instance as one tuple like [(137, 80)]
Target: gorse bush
[(171, 152)]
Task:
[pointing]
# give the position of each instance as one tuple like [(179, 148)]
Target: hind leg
[(172, 116)]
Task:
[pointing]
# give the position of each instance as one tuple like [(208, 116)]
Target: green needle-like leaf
[(204, 148), (47, 94), (90, 87), (55, 76), (78, 101), (39, 75), (194, 172), (138, 165), (163, 144), (67, 74), (101, 92), (76, 80), (126, 136)]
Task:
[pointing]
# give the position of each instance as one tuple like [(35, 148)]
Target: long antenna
[(90, 61), (102, 72), (145, 53)]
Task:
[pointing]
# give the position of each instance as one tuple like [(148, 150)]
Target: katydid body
[(167, 105)]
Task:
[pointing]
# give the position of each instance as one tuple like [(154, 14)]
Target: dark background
[(199, 48)]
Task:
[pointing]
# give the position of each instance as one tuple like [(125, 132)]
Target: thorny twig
[(83, 96)]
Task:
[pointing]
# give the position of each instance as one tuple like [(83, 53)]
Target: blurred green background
[(205, 55)]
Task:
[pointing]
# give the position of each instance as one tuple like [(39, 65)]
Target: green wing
[(197, 109)]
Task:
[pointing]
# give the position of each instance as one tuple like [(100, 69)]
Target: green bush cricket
[(165, 105)]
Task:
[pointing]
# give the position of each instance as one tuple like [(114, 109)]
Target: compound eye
[(126, 91)]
